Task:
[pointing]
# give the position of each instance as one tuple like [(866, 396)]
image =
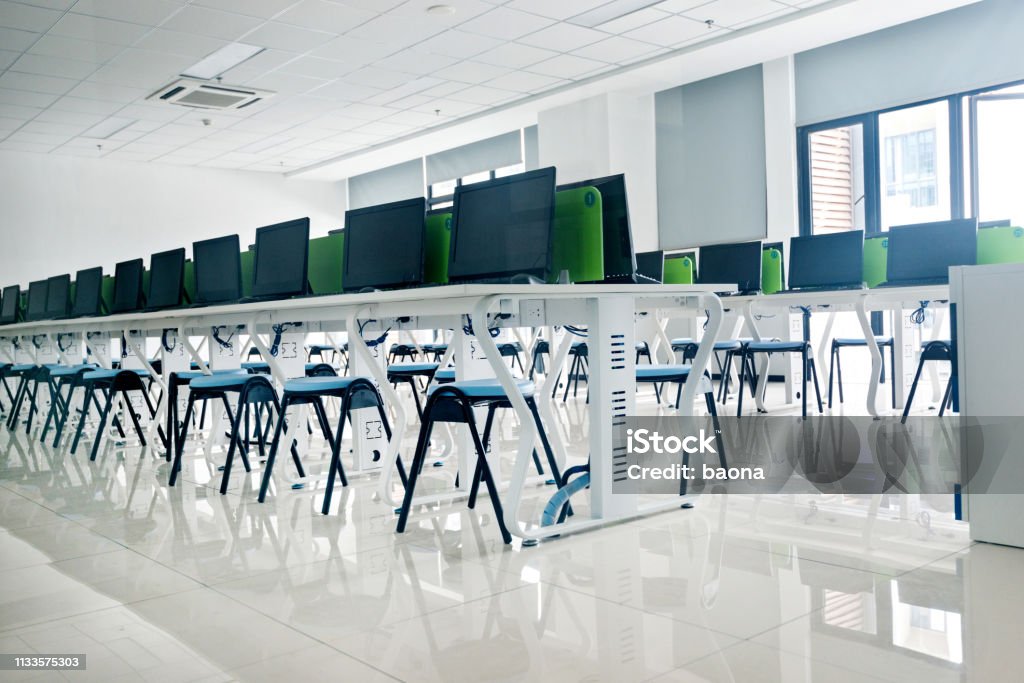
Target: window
[(441, 195), (997, 174), (837, 179), (916, 165)]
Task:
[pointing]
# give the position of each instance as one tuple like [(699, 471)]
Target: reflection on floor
[(183, 584)]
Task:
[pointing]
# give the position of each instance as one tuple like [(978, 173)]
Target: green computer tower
[(876, 259), (436, 247), (326, 255), (1001, 245), (578, 240), (771, 271), (678, 270)]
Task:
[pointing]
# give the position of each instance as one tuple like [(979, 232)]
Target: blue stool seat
[(728, 345), (681, 341), (224, 381), (860, 341), (316, 385), (195, 374), (485, 388), (24, 367), (411, 368), (434, 347), (110, 374), (258, 367), (67, 370), (445, 375), (661, 373), (780, 346), (577, 344)]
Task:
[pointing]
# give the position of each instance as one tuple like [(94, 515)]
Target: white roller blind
[(401, 181), (531, 148), (485, 155), (712, 187)]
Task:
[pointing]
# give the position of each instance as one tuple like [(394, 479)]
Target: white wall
[(60, 214)]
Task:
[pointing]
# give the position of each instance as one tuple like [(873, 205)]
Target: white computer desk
[(859, 301), (607, 311)]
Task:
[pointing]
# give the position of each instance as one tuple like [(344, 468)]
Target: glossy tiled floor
[(183, 584)]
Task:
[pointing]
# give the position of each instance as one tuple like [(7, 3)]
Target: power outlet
[(531, 313)]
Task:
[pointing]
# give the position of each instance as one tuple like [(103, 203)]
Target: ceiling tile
[(400, 92), (634, 20), (177, 43), (458, 44), (258, 65), (378, 78), (670, 31), (730, 12), (50, 4), (146, 12), (450, 107), (315, 67), (107, 92), (676, 6), (471, 72), (398, 31), (325, 16), (255, 8), (374, 5), (416, 62), (285, 37), (616, 50), (27, 18), (17, 111), (39, 138), (342, 91), (413, 118), (7, 125), (514, 55), (567, 66), (504, 23), (141, 69), (25, 98), (410, 101), (53, 66), (464, 10), (53, 115), (562, 9), (383, 128), (13, 39), (47, 128), (443, 89), (8, 57), (524, 81), (354, 52), (481, 94), (97, 29), (288, 84), (74, 48), (367, 112), (36, 83), (83, 105), (13, 146), (563, 37), (771, 16), (208, 22)]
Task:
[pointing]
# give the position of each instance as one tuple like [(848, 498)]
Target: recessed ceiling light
[(110, 126), (611, 11), (228, 57), (440, 9)]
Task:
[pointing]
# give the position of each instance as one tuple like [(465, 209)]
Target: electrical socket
[(531, 312)]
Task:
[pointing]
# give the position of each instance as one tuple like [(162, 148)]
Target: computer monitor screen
[(218, 269), (127, 286), (502, 227), (10, 304), (88, 293), (833, 260), (619, 259), (58, 296), (925, 251), (281, 265), (651, 266), (36, 300), (384, 245), (737, 264), (166, 279)]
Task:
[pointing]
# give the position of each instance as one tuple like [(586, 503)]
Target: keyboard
[(918, 282), (822, 288)]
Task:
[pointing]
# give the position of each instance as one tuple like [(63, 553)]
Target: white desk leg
[(705, 349), (556, 363), (762, 368), (662, 340), (876, 355), (824, 347)]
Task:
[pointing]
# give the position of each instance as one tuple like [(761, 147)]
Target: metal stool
[(834, 362), (407, 374), (770, 347), (932, 351)]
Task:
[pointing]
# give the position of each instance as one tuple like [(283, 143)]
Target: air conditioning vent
[(200, 94)]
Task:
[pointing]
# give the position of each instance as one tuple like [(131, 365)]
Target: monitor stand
[(525, 279)]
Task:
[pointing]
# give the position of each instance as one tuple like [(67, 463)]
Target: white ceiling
[(349, 74)]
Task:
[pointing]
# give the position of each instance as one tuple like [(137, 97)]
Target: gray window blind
[(484, 155), (531, 148), (401, 181), (711, 180)]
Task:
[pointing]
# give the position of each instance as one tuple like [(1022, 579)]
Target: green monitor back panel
[(190, 280), (437, 244), (108, 293), (679, 269), (248, 257), (619, 255), (578, 242), (325, 259), (876, 259), (771, 270), (1001, 245)]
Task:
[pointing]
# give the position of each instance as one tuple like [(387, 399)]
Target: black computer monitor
[(11, 302), (36, 300), (1001, 223), (166, 279), (384, 245), (218, 270), (88, 293), (650, 266), (58, 296), (619, 258), (502, 228), (833, 260), (924, 252), (127, 286), (736, 264), (281, 264)]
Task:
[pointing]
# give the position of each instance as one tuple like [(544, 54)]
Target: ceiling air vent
[(203, 95)]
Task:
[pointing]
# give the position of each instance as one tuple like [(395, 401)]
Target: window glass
[(837, 179), (1000, 148), (915, 164)]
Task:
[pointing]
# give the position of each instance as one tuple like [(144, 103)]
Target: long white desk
[(608, 312), (859, 301)]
